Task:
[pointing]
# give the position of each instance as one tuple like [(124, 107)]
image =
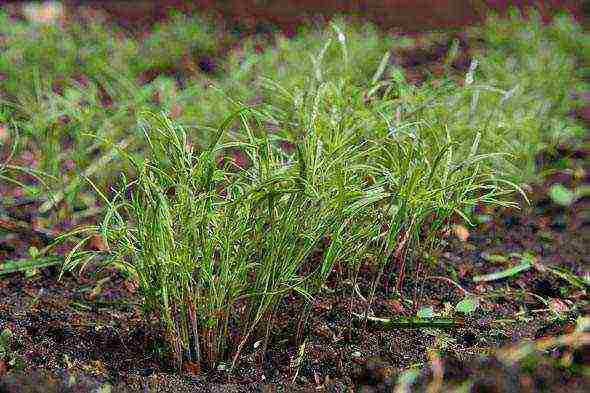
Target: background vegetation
[(271, 159)]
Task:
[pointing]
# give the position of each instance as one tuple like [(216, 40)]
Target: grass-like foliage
[(74, 91), (257, 179), (518, 92), (12, 174), (56, 54), (181, 43), (202, 238), (217, 249), (67, 88), (339, 50)]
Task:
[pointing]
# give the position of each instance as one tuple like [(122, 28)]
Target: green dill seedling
[(181, 41), (341, 160)]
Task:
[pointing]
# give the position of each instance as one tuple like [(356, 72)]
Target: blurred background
[(403, 14)]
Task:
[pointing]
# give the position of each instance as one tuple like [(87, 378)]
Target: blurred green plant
[(516, 94), (181, 41), (6, 353)]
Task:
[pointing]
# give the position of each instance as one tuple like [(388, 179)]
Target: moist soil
[(88, 327), (85, 332)]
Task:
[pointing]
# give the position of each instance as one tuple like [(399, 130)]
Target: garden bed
[(516, 275), (87, 326)]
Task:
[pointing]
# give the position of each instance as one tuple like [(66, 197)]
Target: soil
[(84, 333)]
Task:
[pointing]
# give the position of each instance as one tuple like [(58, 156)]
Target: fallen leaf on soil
[(192, 368), (426, 312), (562, 196), (3, 133), (524, 265), (461, 232), (91, 296), (395, 306), (95, 366), (323, 331), (131, 286), (569, 328), (468, 305)]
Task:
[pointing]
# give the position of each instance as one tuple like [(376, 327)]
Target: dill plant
[(339, 50), (536, 74), (517, 93), (423, 181), (305, 198), (375, 170), (181, 37), (219, 236), (172, 230), (215, 250), (199, 245), (199, 239), (410, 177)]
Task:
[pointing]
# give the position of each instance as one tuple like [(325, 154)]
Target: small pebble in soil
[(374, 371), (511, 221), (581, 355), (559, 222), (545, 288), (469, 339)]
